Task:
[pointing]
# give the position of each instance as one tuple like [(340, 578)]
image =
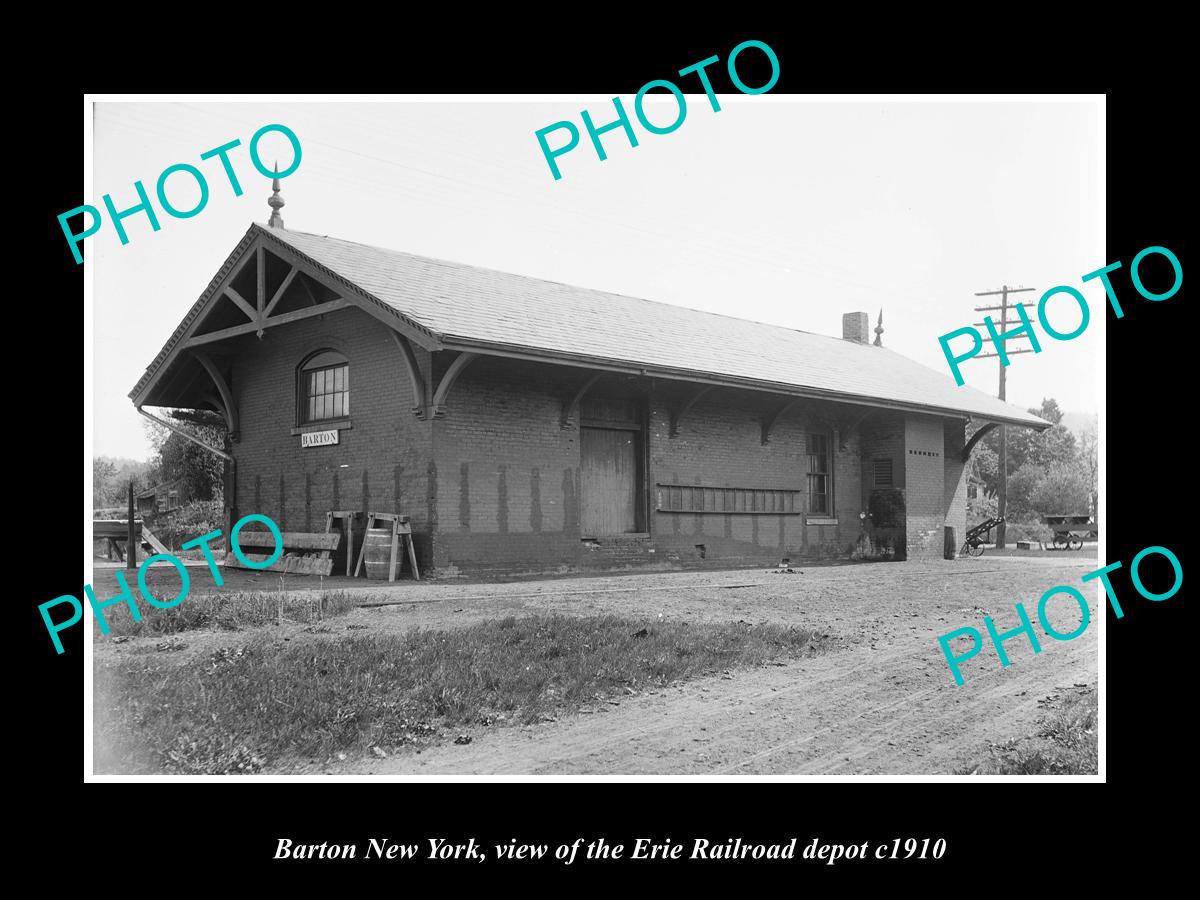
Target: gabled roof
[(467, 307)]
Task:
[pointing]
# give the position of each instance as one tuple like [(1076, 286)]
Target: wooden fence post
[(131, 544)]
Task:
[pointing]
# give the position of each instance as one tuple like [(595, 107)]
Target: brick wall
[(955, 477), (494, 484), (381, 461), (508, 476), (507, 473), (719, 444), (924, 476)]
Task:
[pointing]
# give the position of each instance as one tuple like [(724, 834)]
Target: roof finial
[(879, 330), (275, 201)]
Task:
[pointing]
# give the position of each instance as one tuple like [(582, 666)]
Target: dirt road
[(882, 701)]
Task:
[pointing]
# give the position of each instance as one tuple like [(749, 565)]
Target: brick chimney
[(856, 326)]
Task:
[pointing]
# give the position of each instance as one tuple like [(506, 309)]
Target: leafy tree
[(980, 509), (199, 470), (1054, 446), (1063, 489), (1043, 448), (1022, 484), (103, 471), (985, 466), (1049, 411), (111, 477)]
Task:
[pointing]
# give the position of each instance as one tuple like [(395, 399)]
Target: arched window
[(324, 387)]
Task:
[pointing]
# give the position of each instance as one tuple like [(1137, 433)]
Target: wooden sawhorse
[(401, 529), (345, 521)]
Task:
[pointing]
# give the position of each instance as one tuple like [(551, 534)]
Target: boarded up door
[(608, 481)]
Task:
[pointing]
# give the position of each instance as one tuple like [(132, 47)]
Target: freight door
[(608, 481)]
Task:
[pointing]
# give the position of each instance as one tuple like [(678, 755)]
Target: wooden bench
[(115, 529), (304, 553), (115, 534)]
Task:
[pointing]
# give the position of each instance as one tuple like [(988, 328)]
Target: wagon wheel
[(975, 549), (1060, 542), (1075, 544)]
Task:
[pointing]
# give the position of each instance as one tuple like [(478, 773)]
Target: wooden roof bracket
[(768, 422), (421, 399), (570, 413), (686, 406), (976, 438), (438, 406), (231, 415), (842, 432)]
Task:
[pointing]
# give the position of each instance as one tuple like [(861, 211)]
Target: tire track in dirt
[(1022, 711), (649, 729), (575, 747), (889, 735)]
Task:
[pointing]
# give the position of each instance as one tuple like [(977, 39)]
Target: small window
[(819, 487), (324, 387), (883, 473)]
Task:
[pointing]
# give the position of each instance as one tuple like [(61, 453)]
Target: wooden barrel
[(950, 543), (377, 547)]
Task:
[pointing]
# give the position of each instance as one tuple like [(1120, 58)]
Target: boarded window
[(883, 473)]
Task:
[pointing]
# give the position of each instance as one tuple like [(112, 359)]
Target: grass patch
[(1065, 744), (229, 612), (242, 710)]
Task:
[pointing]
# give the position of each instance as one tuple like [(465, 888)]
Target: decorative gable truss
[(281, 292), (263, 285)]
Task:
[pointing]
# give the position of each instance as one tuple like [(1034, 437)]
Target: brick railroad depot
[(527, 426)]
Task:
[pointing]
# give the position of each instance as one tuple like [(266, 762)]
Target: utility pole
[(1004, 307)]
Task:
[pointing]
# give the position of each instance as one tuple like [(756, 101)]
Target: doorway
[(608, 480), (612, 466)]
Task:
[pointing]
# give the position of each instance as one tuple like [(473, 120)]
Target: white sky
[(774, 209)]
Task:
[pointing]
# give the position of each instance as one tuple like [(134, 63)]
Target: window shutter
[(883, 473)]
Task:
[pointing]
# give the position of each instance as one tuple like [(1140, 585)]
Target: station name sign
[(319, 438)]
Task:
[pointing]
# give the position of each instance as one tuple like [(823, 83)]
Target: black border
[(996, 831)]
